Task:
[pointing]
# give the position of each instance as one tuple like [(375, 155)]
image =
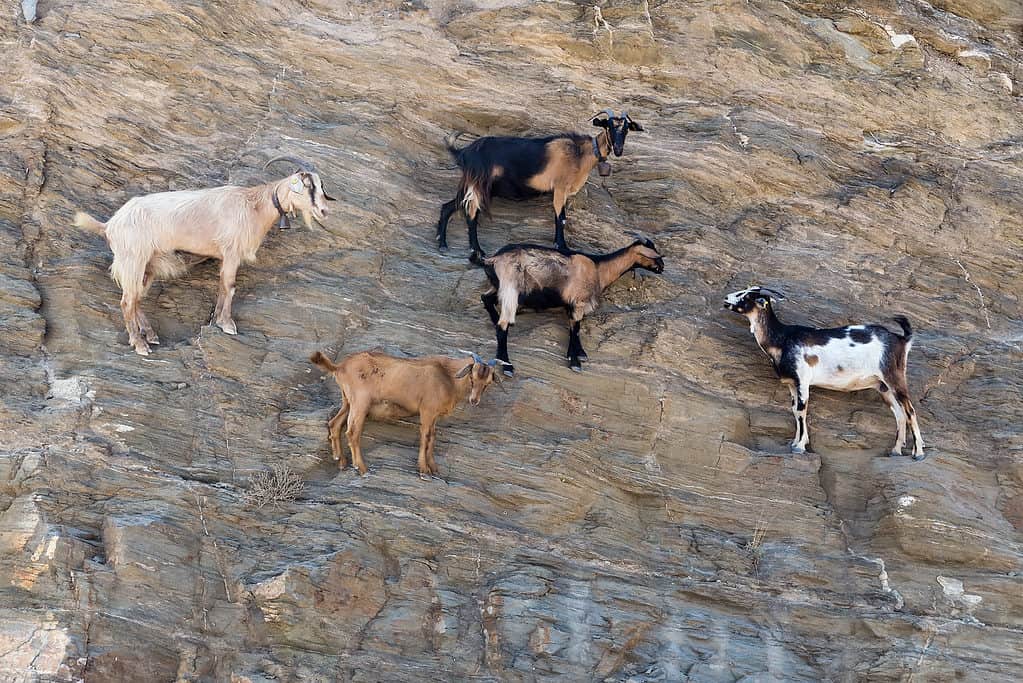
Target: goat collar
[(283, 223), (603, 168)]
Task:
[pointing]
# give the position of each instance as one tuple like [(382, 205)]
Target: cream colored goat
[(377, 385), (148, 233)]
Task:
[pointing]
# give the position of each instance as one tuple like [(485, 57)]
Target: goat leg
[(502, 350), (560, 200), (228, 271)]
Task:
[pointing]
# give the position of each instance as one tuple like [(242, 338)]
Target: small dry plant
[(274, 487), (753, 546)]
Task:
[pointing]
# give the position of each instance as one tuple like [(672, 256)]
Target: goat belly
[(508, 188), (540, 299), (388, 410)]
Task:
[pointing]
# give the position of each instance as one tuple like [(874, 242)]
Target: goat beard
[(308, 218)]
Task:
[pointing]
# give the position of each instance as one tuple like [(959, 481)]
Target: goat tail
[(907, 329), (449, 142), (320, 360), (87, 222)]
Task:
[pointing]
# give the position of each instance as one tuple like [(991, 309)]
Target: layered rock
[(640, 521)]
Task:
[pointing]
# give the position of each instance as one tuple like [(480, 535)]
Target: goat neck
[(766, 328), (601, 143), (612, 266), (270, 206)]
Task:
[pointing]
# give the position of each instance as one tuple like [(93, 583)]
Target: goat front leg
[(228, 271), (801, 401), (576, 353), (560, 202), (427, 427)]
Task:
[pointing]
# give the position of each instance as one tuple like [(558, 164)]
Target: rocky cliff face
[(640, 521)]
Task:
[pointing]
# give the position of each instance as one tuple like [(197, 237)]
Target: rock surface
[(640, 521)]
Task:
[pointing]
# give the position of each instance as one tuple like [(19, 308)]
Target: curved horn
[(781, 297), (625, 115), (610, 114), (304, 165), (477, 359), (642, 236)]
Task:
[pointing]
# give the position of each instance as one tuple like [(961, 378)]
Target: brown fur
[(811, 360), (374, 384)]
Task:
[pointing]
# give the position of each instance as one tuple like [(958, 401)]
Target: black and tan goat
[(847, 358), (380, 386), (541, 277), (148, 234), (519, 168)]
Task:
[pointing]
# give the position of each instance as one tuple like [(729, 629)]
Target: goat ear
[(635, 126), (601, 123), (465, 371)]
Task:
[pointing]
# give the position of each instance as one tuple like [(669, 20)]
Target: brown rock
[(639, 521)]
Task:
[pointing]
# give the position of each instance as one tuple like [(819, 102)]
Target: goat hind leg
[(442, 225), (147, 330), (918, 440), (130, 310), (900, 418), (334, 426), (356, 420)]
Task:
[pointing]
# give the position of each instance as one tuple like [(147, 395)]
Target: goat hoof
[(229, 327), (797, 449), (582, 356), (153, 339), (477, 257), (919, 456), (575, 365), (509, 370), (895, 454), (443, 246), (141, 348)]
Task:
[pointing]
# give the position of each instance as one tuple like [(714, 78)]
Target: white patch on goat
[(470, 201), (509, 297), (842, 364)]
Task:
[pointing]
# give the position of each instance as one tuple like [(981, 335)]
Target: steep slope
[(640, 521)]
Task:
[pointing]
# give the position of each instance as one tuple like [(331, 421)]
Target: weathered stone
[(640, 521)]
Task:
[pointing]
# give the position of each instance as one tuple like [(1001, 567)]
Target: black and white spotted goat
[(847, 358)]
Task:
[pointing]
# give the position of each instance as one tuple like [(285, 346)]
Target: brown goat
[(518, 168), (380, 386)]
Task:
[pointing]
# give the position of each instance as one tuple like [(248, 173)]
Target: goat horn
[(625, 115), (781, 297), (640, 236), (304, 165)]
